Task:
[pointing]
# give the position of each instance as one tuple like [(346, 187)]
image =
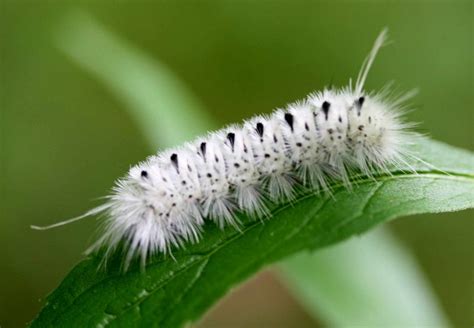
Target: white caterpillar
[(163, 201)]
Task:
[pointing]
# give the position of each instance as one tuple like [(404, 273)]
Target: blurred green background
[(65, 137)]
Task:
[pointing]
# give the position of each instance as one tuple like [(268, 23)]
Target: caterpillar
[(164, 201)]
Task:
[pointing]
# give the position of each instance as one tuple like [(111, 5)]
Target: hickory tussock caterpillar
[(163, 201)]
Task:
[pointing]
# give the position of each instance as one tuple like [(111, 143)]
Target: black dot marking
[(359, 104), (306, 126), (299, 144), (330, 131), (361, 127), (203, 148), (325, 108), (243, 180), (209, 175), (174, 161), (236, 165), (339, 137), (183, 183), (289, 120), (144, 174), (275, 140), (245, 149), (216, 158), (370, 119), (267, 155), (174, 204), (231, 138), (340, 119), (190, 196), (259, 129)]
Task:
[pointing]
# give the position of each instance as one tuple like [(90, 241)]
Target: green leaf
[(363, 282), (172, 292), (150, 91)]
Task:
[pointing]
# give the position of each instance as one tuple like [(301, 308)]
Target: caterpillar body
[(164, 201)]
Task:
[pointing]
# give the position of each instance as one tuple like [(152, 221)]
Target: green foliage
[(147, 87), (172, 292), (372, 281)]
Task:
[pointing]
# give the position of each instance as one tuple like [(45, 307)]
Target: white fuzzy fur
[(163, 202)]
